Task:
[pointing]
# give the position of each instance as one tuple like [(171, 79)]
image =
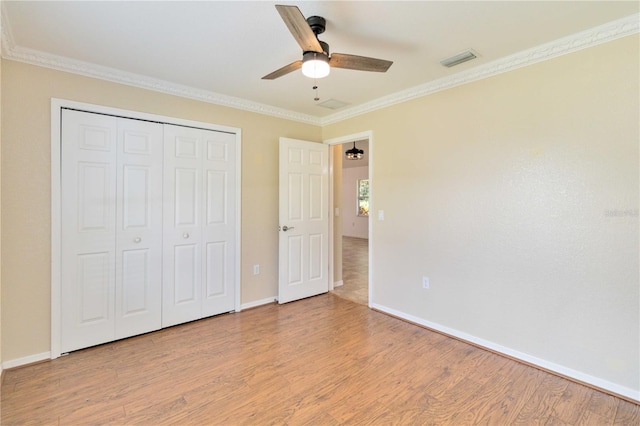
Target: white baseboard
[(19, 362), (258, 303), (338, 283), (529, 359)]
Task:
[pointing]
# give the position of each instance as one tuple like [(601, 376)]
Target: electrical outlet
[(425, 282), (256, 269)]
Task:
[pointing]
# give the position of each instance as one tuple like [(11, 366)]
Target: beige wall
[(518, 196), (26, 94), (352, 224)]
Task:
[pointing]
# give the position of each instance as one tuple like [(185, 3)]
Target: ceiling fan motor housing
[(317, 23), (325, 48)]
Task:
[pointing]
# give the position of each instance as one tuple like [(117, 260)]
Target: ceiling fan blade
[(283, 71), (360, 63), (299, 28)]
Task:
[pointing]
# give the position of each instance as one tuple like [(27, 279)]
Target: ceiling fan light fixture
[(315, 65), (354, 153)]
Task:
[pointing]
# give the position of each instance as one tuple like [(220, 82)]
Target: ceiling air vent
[(459, 58), (332, 104)]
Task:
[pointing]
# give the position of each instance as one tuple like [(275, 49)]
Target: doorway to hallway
[(355, 270), (351, 198)]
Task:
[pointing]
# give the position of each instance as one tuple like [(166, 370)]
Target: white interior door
[(182, 251), (219, 222), (88, 177), (138, 282), (111, 228), (304, 220), (199, 224)]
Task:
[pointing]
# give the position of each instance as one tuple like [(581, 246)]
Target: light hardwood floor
[(319, 361), (355, 270)]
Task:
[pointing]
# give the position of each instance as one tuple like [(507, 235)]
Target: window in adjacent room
[(363, 197)]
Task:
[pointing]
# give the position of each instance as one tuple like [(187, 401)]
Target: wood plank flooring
[(355, 270), (318, 361)]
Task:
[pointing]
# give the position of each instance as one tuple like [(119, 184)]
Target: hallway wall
[(352, 224)]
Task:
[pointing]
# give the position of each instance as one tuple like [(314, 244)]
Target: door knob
[(286, 228), (185, 235), (137, 240)]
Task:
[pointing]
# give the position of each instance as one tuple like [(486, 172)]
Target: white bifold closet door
[(111, 244), (199, 224)]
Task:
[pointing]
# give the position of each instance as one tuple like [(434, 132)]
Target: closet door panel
[(216, 209), (182, 246), (186, 279), (92, 288), (219, 226), (139, 231), (88, 193), (216, 270), (135, 283), (186, 197)]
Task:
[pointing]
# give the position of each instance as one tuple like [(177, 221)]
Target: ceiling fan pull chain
[(315, 87)]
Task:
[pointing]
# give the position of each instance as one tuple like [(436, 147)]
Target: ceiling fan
[(316, 61)]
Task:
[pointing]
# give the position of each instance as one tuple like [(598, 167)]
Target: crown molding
[(35, 57), (604, 33), (117, 76)]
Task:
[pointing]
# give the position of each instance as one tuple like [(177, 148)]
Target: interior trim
[(368, 135), (27, 360), (257, 303), (582, 40)]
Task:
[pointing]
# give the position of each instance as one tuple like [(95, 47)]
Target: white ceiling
[(221, 49)]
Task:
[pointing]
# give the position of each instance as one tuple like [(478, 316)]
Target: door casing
[(339, 141)]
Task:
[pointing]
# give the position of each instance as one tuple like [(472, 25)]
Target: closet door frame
[(57, 105)]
